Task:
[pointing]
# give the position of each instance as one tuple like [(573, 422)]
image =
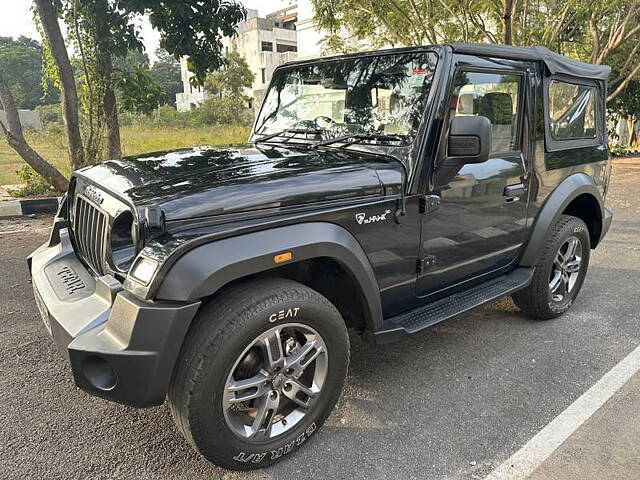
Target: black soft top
[(554, 62)]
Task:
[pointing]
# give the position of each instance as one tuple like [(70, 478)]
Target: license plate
[(42, 308)]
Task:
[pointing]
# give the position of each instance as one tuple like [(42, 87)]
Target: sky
[(17, 19)]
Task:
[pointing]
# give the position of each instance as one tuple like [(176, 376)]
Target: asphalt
[(605, 446), (453, 403)]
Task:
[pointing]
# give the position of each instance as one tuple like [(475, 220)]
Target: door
[(479, 226)]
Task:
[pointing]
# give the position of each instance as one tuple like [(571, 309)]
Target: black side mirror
[(469, 140)]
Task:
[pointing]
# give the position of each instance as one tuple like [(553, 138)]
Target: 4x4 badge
[(362, 219)]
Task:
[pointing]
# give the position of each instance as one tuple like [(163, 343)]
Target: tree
[(21, 64), (615, 40), (187, 27), (68, 93), (15, 137), (598, 31), (233, 78), (165, 72), (133, 60), (626, 105), (227, 84), (139, 93), (103, 30)]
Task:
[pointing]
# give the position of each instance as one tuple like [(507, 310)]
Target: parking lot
[(453, 403)]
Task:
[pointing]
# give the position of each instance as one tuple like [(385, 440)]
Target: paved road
[(453, 403)]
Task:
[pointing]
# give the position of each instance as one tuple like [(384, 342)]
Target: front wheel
[(260, 371), (560, 271)]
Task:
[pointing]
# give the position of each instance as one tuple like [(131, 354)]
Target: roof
[(554, 62)]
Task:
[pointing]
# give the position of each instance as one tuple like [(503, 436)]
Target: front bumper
[(120, 347)]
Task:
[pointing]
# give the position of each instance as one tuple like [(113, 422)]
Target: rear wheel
[(260, 371), (560, 271)]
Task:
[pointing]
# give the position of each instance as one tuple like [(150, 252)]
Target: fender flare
[(557, 201), (205, 269)]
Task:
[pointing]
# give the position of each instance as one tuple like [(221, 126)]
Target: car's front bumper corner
[(120, 347)]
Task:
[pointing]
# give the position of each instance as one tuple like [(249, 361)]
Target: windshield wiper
[(353, 138), (292, 133)]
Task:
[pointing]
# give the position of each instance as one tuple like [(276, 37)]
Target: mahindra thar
[(383, 192)]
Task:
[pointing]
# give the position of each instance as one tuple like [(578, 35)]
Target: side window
[(572, 112), (492, 95)]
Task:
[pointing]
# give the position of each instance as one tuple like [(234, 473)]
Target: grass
[(135, 140)]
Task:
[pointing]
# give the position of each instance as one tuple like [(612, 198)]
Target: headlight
[(143, 270), (123, 248)]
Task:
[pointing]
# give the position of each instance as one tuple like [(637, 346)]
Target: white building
[(265, 43), (309, 37)]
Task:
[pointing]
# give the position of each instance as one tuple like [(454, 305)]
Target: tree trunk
[(15, 137), (507, 22), (105, 78), (631, 124), (68, 92), (114, 149)]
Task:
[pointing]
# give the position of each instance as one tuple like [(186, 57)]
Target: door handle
[(516, 190)]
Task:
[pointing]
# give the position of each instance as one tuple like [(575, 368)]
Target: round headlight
[(123, 248)]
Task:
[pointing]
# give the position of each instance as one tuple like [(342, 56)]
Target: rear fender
[(556, 203)]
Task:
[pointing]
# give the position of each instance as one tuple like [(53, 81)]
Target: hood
[(206, 181)]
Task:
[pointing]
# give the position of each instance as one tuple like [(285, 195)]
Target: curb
[(28, 206)]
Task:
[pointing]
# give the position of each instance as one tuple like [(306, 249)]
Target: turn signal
[(283, 257)]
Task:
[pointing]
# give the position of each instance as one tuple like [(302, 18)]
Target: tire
[(537, 300), (206, 396)]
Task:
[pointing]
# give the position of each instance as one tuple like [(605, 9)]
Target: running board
[(414, 321)]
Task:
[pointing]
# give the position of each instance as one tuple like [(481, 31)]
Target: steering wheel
[(328, 121)]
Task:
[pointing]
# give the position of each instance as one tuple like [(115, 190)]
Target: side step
[(414, 321)]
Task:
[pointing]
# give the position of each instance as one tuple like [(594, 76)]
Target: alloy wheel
[(566, 269), (275, 382)]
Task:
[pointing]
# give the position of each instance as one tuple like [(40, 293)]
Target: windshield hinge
[(429, 204), (153, 222)]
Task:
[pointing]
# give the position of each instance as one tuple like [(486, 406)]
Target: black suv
[(384, 192)]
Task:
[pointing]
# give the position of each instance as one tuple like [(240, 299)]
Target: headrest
[(465, 103), (497, 107)]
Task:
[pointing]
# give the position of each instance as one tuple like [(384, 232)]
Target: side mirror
[(469, 140)]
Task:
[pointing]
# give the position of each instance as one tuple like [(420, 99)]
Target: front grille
[(90, 231)]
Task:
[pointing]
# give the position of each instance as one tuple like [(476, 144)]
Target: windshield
[(382, 94)]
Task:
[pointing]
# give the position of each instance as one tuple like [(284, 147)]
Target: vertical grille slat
[(90, 231), (91, 235)]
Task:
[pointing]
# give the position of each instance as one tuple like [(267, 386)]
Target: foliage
[(627, 104), (139, 92), (21, 65), (192, 28), (227, 110), (130, 62), (33, 183), (231, 79), (105, 35), (599, 31), (165, 71)]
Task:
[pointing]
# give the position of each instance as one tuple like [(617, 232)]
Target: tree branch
[(15, 137), (624, 84)]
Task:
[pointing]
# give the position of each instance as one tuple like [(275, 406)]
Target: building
[(264, 42), (308, 36)]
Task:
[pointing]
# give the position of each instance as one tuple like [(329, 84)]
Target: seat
[(498, 108)]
